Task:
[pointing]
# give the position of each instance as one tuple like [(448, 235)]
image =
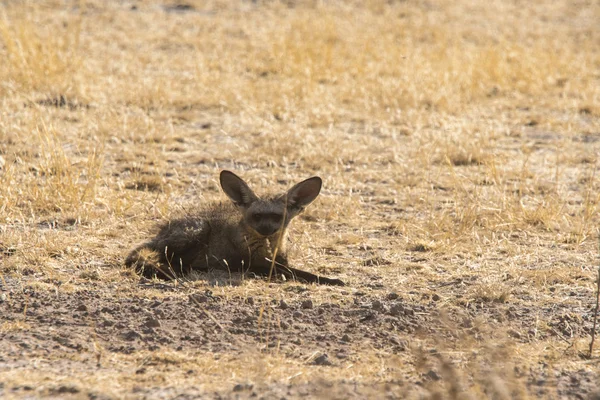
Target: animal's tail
[(147, 262)]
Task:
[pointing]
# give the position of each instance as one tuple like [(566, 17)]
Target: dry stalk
[(597, 303), (279, 239)]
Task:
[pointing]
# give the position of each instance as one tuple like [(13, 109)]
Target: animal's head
[(267, 216)]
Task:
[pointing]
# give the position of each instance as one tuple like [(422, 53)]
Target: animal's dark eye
[(275, 217)]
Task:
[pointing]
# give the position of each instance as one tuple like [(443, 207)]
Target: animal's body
[(243, 236)]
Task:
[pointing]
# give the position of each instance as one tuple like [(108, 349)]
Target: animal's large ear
[(304, 193), (236, 189)]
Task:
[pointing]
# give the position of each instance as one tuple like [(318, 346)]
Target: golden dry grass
[(458, 142)]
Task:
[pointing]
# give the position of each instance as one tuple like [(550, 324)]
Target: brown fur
[(243, 236)]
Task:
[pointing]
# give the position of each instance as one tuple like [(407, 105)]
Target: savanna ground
[(458, 142)]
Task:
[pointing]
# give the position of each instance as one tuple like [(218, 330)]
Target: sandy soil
[(458, 143)]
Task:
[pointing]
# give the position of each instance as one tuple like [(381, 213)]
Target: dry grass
[(458, 142)]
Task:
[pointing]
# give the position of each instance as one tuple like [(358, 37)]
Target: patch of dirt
[(90, 327), (462, 217), (178, 321)]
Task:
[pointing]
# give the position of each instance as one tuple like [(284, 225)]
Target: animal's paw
[(331, 282)]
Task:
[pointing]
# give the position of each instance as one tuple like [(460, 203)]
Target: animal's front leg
[(306, 276), (265, 268)]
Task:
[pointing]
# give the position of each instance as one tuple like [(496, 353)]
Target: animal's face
[(269, 216), (266, 217)]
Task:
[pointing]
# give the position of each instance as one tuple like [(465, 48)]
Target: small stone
[(152, 322), (238, 388), (67, 389), (517, 371), (242, 386), (432, 375), (393, 296), (323, 359), (283, 305), (131, 335), (397, 309), (467, 323), (307, 304), (435, 297), (515, 334), (198, 298), (401, 345), (107, 322), (375, 261), (297, 314), (346, 338), (370, 316), (24, 387), (377, 305)]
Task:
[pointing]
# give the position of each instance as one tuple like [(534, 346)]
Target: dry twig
[(597, 304)]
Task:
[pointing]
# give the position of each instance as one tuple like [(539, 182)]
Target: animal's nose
[(266, 230)]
